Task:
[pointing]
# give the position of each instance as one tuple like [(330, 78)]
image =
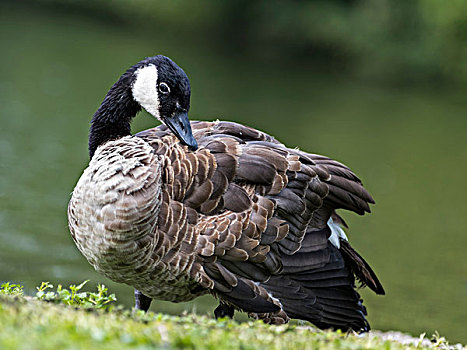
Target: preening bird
[(187, 209)]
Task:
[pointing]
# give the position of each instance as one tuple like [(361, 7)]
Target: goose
[(186, 209)]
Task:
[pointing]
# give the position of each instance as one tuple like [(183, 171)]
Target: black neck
[(112, 119)]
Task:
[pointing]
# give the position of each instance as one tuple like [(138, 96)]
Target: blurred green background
[(380, 85)]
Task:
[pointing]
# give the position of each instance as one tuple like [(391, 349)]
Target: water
[(409, 147)]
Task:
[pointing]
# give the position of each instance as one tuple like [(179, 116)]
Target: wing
[(255, 210)]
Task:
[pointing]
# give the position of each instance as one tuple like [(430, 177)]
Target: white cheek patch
[(145, 89), (337, 233)]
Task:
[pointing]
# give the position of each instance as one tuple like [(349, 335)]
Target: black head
[(162, 88)]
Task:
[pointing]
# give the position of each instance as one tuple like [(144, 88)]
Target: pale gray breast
[(113, 210)]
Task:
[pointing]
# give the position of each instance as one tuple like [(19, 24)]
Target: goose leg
[(142, 302), (224, 310)]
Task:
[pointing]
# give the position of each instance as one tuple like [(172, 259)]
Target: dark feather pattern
[(361, 269), (296, 250), (243, 218)]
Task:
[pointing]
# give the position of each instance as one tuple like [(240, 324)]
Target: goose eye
[(164, 88)]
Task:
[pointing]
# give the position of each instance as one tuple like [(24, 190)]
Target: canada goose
[(182, 210)]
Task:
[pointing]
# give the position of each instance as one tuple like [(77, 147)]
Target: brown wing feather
[(255, 200)]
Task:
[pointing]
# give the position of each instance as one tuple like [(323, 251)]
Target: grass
[(73, 319)]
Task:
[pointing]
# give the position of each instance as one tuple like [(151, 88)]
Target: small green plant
[(439, 341), (11, 289), (74, 297)]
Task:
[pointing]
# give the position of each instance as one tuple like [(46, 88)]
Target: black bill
[(180, 126)]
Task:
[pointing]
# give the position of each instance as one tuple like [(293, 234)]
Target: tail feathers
[(333, 274), (345, 312), (364, 273), (325, 296)]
